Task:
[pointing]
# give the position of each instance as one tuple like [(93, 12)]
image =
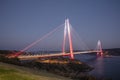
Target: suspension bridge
[(71, 53)]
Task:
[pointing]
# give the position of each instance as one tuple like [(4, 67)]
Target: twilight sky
[(24, 21)]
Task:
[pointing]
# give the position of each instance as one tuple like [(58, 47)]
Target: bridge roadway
[(29, 57)]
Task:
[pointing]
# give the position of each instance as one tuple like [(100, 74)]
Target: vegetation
[(15, 61), (11, 72), (62, 66), (114, 52)]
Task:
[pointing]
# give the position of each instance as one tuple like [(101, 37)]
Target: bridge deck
[(27, 57)]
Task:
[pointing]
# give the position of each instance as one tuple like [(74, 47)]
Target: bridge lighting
[(67, 32), (64, 40), (70, 38)]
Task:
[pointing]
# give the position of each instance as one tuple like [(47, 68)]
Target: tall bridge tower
[(67, 31), (99, 48)]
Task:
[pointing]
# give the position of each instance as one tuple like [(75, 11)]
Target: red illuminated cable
[(34, 43)]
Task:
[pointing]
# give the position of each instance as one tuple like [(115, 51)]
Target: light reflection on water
[(99, 66), (103, 67)]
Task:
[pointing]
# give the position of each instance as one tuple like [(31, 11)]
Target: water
[(104, 67)]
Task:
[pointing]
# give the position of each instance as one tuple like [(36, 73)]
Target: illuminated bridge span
[(67, 34), (29, 57)]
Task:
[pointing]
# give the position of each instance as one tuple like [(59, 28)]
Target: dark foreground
[(61, 66), (73, 69)]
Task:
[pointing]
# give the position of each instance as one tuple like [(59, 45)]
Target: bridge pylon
[(99, 48), (67, 31)]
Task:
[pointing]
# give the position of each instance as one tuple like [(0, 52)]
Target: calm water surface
[(104, 67)]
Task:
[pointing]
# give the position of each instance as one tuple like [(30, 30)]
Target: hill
[(113, 51)]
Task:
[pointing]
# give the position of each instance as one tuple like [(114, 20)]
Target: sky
[(24, 21)]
